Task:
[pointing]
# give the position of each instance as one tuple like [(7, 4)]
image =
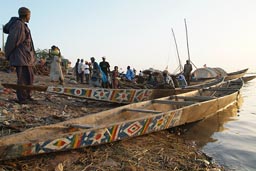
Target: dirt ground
[(164, 150)]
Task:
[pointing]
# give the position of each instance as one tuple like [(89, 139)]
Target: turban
[(23, 11), (55, 52)]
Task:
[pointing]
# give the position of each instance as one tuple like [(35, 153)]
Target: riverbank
[(164, 150)]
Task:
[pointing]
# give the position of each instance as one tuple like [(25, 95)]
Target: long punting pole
[(187, 38), (3, 38), (181, 68)]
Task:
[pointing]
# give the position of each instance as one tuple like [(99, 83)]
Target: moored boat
[(237, 74), (211, 73), (123, 122), (124, 96), (248, 78)]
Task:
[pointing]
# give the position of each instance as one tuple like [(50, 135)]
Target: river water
[(229, 137)]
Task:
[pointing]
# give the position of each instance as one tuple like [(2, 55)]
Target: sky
[(138, 33)]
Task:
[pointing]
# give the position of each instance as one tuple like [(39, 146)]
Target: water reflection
[(201, 132)]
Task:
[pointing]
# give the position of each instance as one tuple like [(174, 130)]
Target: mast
[(187, 38), (2, 37), (180, 65)]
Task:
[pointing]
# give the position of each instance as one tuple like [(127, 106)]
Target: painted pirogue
[(124, 96), (123, 122)]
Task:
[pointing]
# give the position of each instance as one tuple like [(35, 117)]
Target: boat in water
[(248, 78), (209, 73)]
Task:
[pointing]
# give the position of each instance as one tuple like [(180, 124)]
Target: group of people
[(97, 75)]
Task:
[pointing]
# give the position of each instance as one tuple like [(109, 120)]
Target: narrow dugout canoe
[(248, 78), (123, 122), (237, 74), (124, 96)]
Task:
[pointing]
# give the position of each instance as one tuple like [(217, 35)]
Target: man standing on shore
[(105, 67), (20, 52), (76, 70)]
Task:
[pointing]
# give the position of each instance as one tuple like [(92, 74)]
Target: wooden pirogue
[(248, 78), (124, 96), (236, 74), (123, 122)]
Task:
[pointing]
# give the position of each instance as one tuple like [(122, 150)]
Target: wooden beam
[(83, 126), (201, 98), (142, 110), (221, 89), (183, 103)]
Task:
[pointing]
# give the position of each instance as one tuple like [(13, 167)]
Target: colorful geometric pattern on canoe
[(98, 136), (111, 95)]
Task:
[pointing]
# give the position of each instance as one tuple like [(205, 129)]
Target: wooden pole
[(181, 68), (187, 38), (3, 38)]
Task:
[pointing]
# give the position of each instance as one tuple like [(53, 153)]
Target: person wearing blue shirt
[(129, 73)]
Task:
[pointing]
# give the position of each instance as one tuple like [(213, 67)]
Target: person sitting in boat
[(182, 81), (151, 79), (129, 74), (168, 79)]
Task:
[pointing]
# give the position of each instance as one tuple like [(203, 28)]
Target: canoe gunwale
[(173, 102), (203, 98), (142, 110)]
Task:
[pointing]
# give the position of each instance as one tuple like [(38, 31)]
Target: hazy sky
[(222, 33)]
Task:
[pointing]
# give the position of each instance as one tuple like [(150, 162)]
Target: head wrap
[(23, 11), (55, 52)]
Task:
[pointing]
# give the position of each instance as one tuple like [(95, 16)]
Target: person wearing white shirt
[(81, 68), (87, 72)]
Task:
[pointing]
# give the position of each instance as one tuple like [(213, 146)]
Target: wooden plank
[(195, 97), (221, 89), (142, 110), (183, 103), (83, 126)]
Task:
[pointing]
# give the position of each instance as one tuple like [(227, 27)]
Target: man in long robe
[(20, 52)]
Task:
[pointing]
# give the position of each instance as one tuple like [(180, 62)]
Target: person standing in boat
[(187, 71), (56, 70), (20, 52)]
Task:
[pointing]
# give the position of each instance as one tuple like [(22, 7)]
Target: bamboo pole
[(181, 67), (187, 38)]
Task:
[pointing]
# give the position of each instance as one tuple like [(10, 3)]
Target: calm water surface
[(230, 136)]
